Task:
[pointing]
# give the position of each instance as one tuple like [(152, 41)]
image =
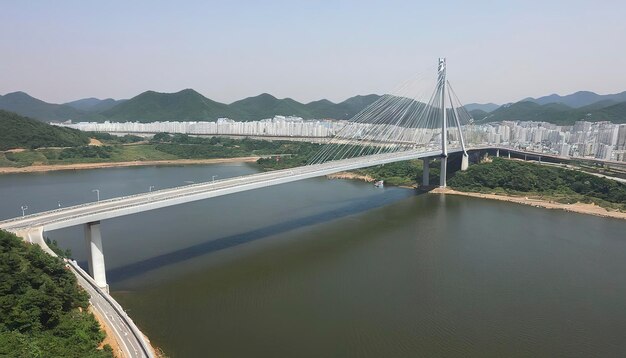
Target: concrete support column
[(464, 162), (498, 153), (444, 172), (93, 239), (509, 154), (426, 172), (539, 160)]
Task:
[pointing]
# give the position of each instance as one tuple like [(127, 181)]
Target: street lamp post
[(97, 191), (24, 208), (213, 178), (150, 188)]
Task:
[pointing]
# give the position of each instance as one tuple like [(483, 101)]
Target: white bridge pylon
[(406, 119), (442, 88)]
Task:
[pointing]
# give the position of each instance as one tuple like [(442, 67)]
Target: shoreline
[(581, 208), (351, 176), (83, 166)]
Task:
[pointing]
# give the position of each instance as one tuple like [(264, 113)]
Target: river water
[(334, 268)]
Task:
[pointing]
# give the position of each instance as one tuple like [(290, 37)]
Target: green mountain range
[(557, 113), (578, 99), (187, 104), (190, 105)]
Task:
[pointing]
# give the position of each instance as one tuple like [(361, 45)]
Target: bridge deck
[(106, 209)]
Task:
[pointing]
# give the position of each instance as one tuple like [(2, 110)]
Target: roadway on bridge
[(106, 209)]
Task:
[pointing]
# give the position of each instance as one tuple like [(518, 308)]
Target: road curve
[(129, 337)]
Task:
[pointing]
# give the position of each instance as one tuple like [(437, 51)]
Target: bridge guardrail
[(192, 189), (116, 306)]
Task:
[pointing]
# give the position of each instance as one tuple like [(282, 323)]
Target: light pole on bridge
[(213, 178), (97, 191), (150, 188), (24, 208)]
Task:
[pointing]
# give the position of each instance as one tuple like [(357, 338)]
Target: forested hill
[(43, 313), (21, 132), (523, 178)]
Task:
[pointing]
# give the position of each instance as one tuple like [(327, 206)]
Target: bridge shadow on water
[(352, 207)]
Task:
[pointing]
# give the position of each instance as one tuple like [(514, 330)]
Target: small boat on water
[(379, 183)]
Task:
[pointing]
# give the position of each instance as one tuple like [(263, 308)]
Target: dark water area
[(333, 268)]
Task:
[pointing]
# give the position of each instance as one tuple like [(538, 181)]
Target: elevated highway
[(126, 205)]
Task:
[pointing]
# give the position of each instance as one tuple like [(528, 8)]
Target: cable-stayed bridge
[(400, 126)]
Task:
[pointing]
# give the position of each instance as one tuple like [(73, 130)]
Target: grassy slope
[(130, 153), (168, 148)]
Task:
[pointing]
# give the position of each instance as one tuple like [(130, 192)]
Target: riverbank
[(582, 208), (82, 166), (351, 176)]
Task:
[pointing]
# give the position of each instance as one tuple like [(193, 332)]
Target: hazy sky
[(497, 51)]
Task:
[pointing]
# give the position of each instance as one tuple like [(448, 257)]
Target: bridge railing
[(119, 203)]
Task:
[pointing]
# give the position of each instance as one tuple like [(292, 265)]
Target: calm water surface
[(323, 268)]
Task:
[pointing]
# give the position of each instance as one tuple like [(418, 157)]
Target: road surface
[(115, 317)]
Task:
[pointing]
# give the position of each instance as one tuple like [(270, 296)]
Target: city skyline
[(601, 140), (307, 52)]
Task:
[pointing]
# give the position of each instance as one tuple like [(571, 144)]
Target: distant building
[(603, 140), (621, 137)]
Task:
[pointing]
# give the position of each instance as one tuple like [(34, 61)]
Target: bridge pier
[(464, 162), (426, 171), (95, 254), (509, 154), (497, 153), (444, 171)]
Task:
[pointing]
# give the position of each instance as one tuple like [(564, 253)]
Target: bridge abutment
[(95, 254), (35, 236)]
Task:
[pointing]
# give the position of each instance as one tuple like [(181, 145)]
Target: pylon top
[(442, 64)]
